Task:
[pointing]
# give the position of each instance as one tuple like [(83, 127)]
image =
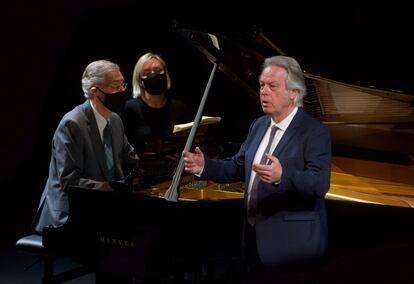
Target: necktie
[(252, 202), (107, 141)]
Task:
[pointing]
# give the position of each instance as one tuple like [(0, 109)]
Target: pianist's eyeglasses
[(119, 86)]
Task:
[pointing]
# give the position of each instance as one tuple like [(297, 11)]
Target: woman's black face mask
[(155, 83)]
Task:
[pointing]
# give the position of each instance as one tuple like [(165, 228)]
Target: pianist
[(89, 147), (285, 211)]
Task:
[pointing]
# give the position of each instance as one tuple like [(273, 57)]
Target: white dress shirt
[(282, 126)]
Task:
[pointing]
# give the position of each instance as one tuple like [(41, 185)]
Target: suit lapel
[(95, 138), (114, 148), (258, 137), (260, 134), (289, 133)]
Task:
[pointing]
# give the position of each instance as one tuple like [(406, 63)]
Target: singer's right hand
[(193, 162)]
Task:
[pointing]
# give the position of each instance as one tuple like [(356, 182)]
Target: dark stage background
[(47, 44)]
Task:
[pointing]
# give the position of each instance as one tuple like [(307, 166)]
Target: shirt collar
[(283, 125), (100, 120)]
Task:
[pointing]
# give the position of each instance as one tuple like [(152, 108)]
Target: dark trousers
[(254, 264)]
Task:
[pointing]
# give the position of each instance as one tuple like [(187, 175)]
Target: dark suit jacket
[(291, 221), (78, 159)]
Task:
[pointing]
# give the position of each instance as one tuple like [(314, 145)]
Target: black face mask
[(114, 102), (155, 83)]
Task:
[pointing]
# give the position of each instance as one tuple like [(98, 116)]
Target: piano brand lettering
[(116, 242)]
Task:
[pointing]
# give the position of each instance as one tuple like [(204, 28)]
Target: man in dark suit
[(284, 192), (89, 147)]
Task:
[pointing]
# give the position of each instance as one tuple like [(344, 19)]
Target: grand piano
[(135, 230)]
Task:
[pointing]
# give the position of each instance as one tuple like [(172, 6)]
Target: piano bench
[(33, 244)]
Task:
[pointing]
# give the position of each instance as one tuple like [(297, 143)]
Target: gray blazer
[(291, 222), (78, 159)]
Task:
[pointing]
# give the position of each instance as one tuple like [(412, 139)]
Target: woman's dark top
[(146, 127)]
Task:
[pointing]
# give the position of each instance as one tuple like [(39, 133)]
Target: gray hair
[(95, 74), (137, 89), (295, 78)]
